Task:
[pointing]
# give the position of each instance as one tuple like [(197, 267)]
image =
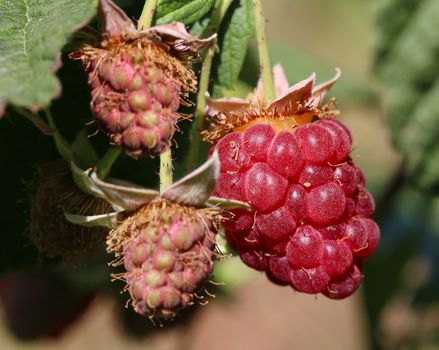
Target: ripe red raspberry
[(311, 225)]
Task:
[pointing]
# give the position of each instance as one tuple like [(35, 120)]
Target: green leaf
[(84, 153), (233, 46), (61, 144), (410, 69), (420, 142), (200, 26), (185, 11), (32, 34), (392, 17)]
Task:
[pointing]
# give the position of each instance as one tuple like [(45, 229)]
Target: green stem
[(36, 120), (264, 58), (198, 124), (106, 162), (165, 170), (147, 15), (62, 145)]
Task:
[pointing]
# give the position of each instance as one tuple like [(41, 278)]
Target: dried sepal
[(227, 204), (195, 188), (114, 21), (123, 197), (109, 220), (296, 105)]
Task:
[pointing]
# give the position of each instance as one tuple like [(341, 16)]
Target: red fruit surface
[(310, 226)]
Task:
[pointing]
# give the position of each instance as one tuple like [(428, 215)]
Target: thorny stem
[(198, 123), (147, 15), (264, 58), (106, 162), (165, 170)]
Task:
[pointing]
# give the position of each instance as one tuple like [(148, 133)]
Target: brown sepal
[(113, 19)]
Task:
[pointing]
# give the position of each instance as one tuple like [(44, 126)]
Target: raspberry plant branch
[(198, 123), (165, 170), (264, 58), (36, 120), (61, 144), (147, 15)]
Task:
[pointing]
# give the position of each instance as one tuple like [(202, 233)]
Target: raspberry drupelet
[(310, 226)]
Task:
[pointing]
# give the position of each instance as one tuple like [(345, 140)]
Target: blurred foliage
[(233, 46), (187, 11), (407, 63)]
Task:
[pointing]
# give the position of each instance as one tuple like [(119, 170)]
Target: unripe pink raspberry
[(135, 96), (166, 249), (139, 80), (311, 225)]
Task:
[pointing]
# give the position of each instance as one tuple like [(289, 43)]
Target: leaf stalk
[(198, 123), (264, 58), (147, 15)]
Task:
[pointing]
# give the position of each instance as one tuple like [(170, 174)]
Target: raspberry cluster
[(310, 227)]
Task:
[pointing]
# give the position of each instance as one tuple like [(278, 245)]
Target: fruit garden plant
[(268, 177)]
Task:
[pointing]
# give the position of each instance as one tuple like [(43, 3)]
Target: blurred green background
[(388, 52)]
